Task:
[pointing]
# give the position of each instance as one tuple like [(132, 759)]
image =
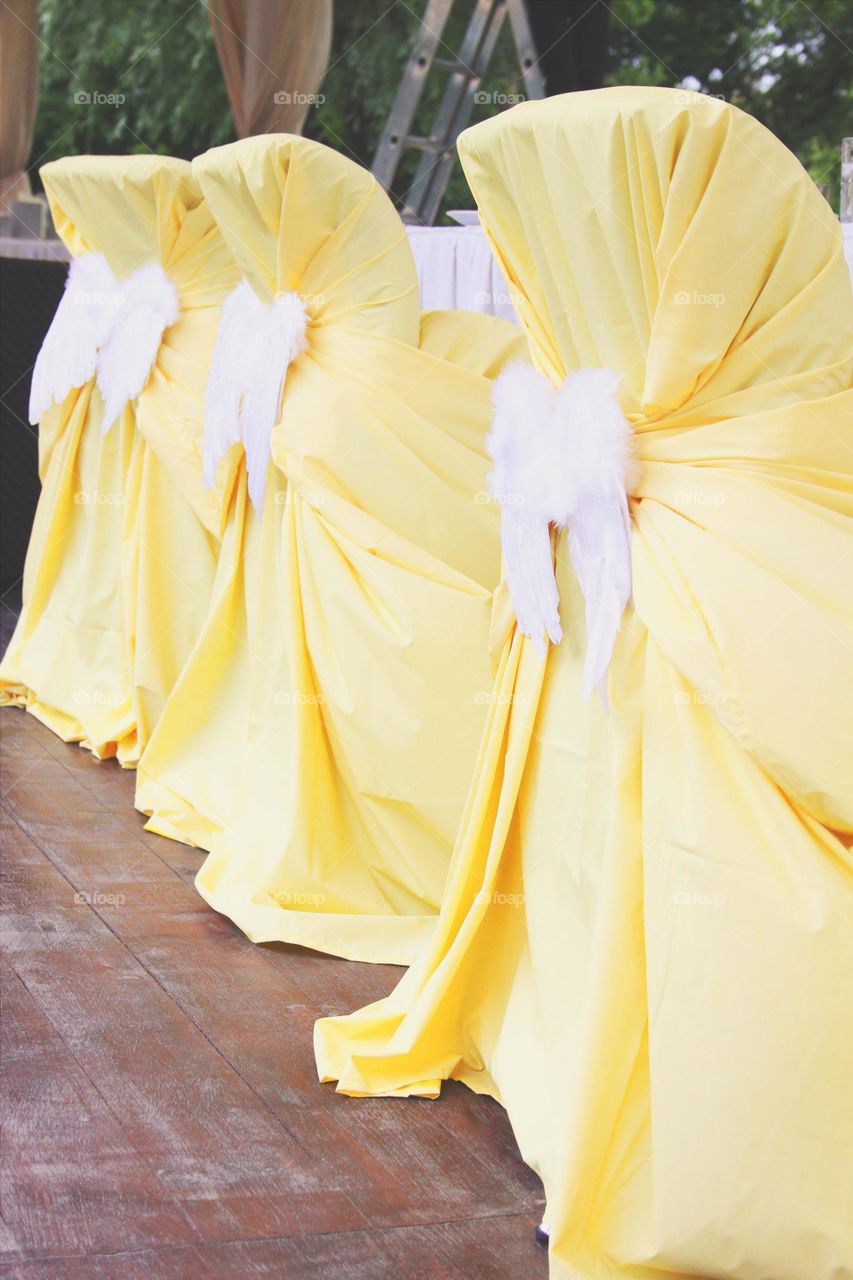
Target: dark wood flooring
[(162, 1116)]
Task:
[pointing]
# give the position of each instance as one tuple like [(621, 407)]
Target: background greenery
[(787, 62)]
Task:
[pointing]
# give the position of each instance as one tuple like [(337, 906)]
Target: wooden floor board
[(162, 1112)]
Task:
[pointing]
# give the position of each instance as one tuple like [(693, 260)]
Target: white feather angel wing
[(255, 344), (149, 305), (280, 339), (69, 353), (590, 499), (600, 552), (230, 374), (520, 444), (565, 457)]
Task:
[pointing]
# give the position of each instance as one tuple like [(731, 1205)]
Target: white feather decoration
[(564, 456), (230, 374), (519, 443), (281, 339), (149, 305), (69, 353), (256, 344)]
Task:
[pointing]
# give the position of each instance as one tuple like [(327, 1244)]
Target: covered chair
[(320, 739), (124, 545), (645, 945)]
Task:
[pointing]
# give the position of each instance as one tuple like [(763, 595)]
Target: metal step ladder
[(466, 70)]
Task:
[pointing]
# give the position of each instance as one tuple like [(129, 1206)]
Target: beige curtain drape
[(274, 57), (19, 81)]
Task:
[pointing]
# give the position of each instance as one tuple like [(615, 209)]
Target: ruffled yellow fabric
[(124, 545), (644, 949), (321, 737)]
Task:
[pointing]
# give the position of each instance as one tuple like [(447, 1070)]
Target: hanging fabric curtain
[(19, 86), (644, 948), (273, 58)]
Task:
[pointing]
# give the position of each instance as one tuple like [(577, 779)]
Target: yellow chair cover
[(124, 544), (320, 740), (645, 946)]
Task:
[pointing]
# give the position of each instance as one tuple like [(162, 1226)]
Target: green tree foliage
[(372, 42), (787, 62), (158, 56)]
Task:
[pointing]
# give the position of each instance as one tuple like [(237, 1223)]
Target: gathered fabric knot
[(564, 456), (255, 345), (107, 329)]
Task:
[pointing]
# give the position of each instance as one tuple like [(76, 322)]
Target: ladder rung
[(453, 64), (465, 71), (423, 144)]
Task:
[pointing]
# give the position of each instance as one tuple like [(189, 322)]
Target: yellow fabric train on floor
[(124, 545), (321, 737), (645, 946)]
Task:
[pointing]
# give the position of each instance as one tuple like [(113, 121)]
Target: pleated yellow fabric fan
[(124, 545), (644, 949), (320, 739)]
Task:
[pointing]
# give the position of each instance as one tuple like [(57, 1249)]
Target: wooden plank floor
[(162, 1114)]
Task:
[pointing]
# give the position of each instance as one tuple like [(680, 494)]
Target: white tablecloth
[(457, 271)]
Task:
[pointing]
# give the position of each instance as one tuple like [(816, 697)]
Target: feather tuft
[(149, 306), (519, 444), (256, 344), (103, 329), (230, 374), (69, 354), (564, 456)]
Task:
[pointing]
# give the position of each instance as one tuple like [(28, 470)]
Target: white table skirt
[(457, 271)]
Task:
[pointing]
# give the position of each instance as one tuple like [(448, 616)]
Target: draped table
[(457, 270)]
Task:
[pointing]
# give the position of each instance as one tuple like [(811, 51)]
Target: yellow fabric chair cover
[(124, 544), (321, 737), (644, 949)]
